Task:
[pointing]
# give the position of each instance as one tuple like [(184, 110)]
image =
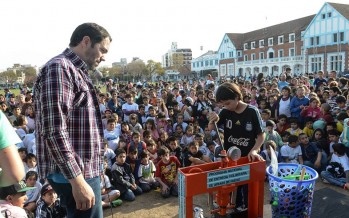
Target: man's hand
[(83, 193), (253, 155)]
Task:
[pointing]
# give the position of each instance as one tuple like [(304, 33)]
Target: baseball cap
[(47, 187), (14, 189)]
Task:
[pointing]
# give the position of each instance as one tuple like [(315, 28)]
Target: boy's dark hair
[(228, 91), (308, 119), (120, 151), (334, 132), (144, 154), (151, 142), (132, 150), (192, 144), (141, 106), (30, 174), (270, 123), (23, 150), (95, 32), (146, 133), (136, 133), (333, 124), (20, 120), (128, 96), (171, 139), (30, 156), (292, 139), (293, 120), (111, 120), (266, 111), (339, 148), (163, 151), (287, 88), (262, 89), (342, 116), (341, 99), (199, 135), (336, 90), (282, 116)]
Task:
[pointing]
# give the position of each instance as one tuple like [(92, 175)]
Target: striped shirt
[(69, 129)]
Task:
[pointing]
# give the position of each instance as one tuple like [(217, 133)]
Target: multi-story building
[(305, 45), (205, 64), (176, 57), (269, 50), (326, 39)]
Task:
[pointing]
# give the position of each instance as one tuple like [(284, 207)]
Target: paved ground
[(152, 205)]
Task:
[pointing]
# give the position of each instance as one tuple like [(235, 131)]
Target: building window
[(291, 52), (253, 56), (281, 40), (245, 58), (291, 37), (317, 41), (341, 36), (261, 43), (211, 62), (338, 37), (270, 42), (281, 53), (222, 55), (311, 41), (231, 54), (206, 63), (323, 16), (329, 14), (336, 62), (230, 69), (315, 63), (216, 62), (239, 53), (202, 63), (253, 44), (261, 55), (245, 46)]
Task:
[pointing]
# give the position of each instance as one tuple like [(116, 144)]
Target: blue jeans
[(323, 163), (130, 195), (333, 180), (64, 191)]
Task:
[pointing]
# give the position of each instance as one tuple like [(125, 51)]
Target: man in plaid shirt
[(69, 131)]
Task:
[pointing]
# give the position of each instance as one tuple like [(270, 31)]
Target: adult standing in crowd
[(69, 128)]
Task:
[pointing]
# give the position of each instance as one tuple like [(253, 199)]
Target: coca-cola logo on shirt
[(239, 141)]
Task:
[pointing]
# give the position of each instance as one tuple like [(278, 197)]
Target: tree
[(154, 68), (8, 76), (136, 69), (177, 60)]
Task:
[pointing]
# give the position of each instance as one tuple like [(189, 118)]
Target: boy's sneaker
[(117, 202), (346, 187), (325, 181)]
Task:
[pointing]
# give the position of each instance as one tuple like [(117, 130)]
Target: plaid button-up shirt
[(68, 130)]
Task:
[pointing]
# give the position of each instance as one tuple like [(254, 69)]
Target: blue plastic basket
[(291, 198)]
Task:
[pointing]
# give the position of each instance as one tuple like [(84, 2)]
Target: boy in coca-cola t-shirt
[(167, 173)]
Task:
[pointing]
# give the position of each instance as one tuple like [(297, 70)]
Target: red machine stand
[(222, 178)]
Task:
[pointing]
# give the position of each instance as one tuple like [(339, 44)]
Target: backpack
[(336, 169)]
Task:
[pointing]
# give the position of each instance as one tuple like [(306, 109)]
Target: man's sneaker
[(117, 202), (325, 181)]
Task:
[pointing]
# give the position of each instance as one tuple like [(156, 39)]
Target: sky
[(34, 31)]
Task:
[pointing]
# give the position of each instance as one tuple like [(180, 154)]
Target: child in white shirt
[(292, 153)]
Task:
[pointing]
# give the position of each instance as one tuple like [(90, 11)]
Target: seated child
[(152, 151), (211, 146), (111, 134), (49, 205), (308, 129), (124, 181), (109, 196), (134, 125), (137, 143), (12, 199), (311, 154), (30, 163), (292, 153), (146, 172), (194, 156), (273, 135), (109, 154), (133, 161), (337, 172), (294, 130), (266, 154), (174, 148), (167, 173), (31, 180)]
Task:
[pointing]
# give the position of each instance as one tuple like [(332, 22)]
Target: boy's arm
[(196, 161), (318, 159), (117, 176), (300, 159), (206, 158), (163, 185)]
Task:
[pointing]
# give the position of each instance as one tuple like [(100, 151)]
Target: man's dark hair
[(94, 31)]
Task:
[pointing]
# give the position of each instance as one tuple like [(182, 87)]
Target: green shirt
[(8, 135)]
